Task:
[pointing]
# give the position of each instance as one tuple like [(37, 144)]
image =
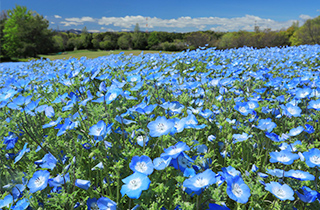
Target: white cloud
[(305, 17), (246, 22), (57, 16), (94, 31), (127, 23)]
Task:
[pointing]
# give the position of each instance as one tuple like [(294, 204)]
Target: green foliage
[(26, 33), (309, 33)]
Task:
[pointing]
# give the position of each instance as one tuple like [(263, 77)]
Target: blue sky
[(170, 15)]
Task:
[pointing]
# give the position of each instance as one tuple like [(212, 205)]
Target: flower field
[(202, 129)]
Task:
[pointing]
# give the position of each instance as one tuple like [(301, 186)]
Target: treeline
[(25, 34)]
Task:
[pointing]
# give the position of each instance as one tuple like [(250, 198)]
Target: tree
[(124, 41), (3, 19), (309, 33), (26, 33)]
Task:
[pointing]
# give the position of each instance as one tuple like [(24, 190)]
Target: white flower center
[(317, 106), (236, 190), (40, 181), (299, 175), (112, 96), (201, 182), (315, 159), (283, 158), (279, 192), (161, 127), (242, 109), (134, 184), (141, 167), (291, 110), (175, 150), (183, 162)]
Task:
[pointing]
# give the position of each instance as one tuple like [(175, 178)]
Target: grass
[(94, 54)]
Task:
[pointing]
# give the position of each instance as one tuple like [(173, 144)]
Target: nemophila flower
[(314, 104), (312, 157), (275, 172), (48, 110), (21, 153), (200, 181), (300, 175), (308, 196), (214, 206), (161, 126), (7, 200), (39, 181), (10, 140), (290, 147), (266, 124), (174, 151), (243, 108), (309, 128), (141, 164), (283, 192), (284, 157), (48, 161), (182, 162), (17, 191), (59, 180), (296, 131), (291, 110), (240, 137), (98, 129), (303, 93), (21, 204), (134, 184), (105, 203), (237, 189), (83, 184), (160, 163)]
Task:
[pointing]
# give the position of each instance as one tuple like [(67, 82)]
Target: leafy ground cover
[(203, 129)]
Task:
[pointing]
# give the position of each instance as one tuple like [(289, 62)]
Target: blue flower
[(237, 189), (283, 192), (83, 184), (21, 153), (308, 196), (200, 181), (161, 126), (291, 110), (98, 129), (134, 184), (106, 204), (240, 137), (141, 164), (161, 163), (300, 175), (284, 157), (314, 105), (6, 201), (214, 206), (266, 124), (48, 161), (39, 181), (174, 151), (296, 131), (312, 157)]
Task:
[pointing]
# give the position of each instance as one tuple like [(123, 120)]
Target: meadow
[(201, 129)]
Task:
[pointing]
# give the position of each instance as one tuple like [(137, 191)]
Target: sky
[(170, 15)]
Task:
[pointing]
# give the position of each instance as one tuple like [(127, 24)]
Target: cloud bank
[(126, 23)]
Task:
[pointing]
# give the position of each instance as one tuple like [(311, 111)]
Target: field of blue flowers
[(202, 129)]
